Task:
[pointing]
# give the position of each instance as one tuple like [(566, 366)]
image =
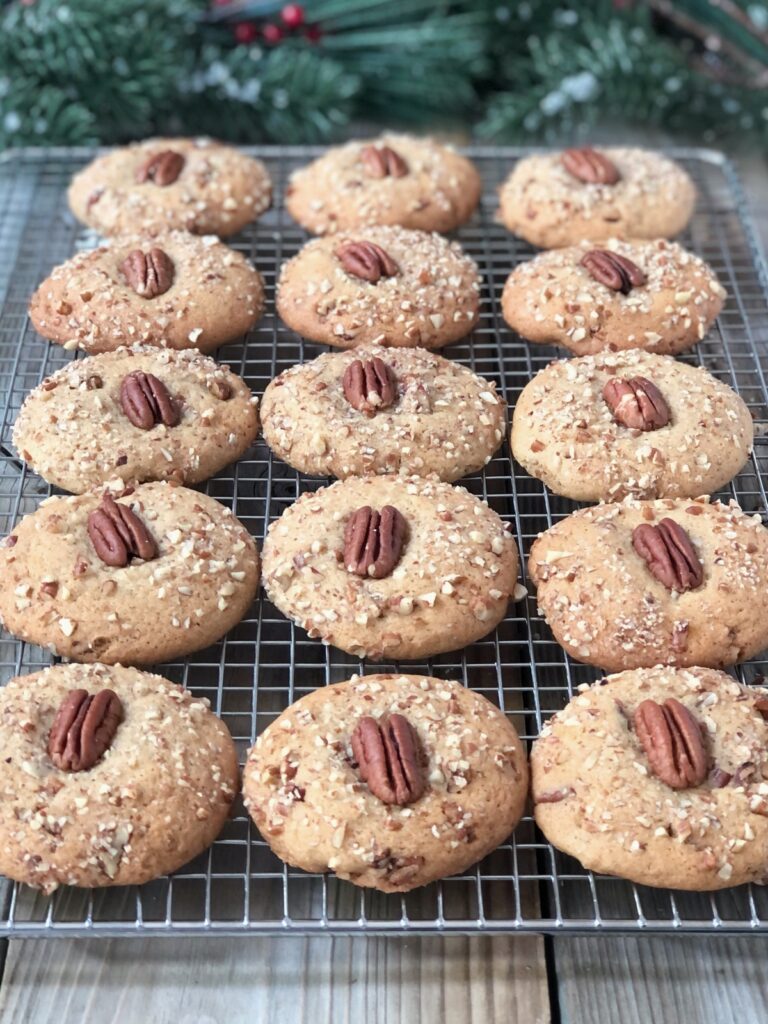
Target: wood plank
[(701, 980), (452, 980)]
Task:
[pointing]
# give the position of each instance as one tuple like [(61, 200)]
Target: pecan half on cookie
[(672, 741), (387, 755), (590, 166), (369, 385), (83, 729), (367, 261), (149, 274), (373, 541), (667, 551), (118, 535), (383, 162), (636, 403), (616, 272)]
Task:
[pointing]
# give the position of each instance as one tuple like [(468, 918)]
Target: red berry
[(246, 32), (313, 33), (272, 34), (292, 15)]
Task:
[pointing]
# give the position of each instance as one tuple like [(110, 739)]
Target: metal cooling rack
[(239, 886)]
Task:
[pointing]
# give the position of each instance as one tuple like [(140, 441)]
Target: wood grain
[(638, 980), (280, 981)]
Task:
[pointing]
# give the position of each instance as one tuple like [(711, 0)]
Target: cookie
[(161, 184), (135, 414), (159, 573), (381, 411), (599, 428), (558, 199), (174, 291), (394, 179), (667, 582), (386, 567), (380, 285), (109, 776), (390, 781), (585, 300), (659, 776)]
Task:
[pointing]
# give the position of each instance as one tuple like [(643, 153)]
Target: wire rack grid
[(238, 886)]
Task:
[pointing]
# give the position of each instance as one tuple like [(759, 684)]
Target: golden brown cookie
[(155, 575), (589, 300), (389, 781), (387, 567), (109, 776), (377, 411), (599, 428), (659, 776), (173, 291), (136, 414), (557, 199), (394, 179), (640, 583), (158, 185), (380, 285)]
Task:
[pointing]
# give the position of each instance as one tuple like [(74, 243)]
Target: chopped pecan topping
[(636, 403), (83, 729), (667, 551), (373, 541), (93, 382), (118, 534), (383, 162), (369, 385), (590, 166), (162, 168), (614, 271), (388, 759), (553, 796), (149, 274), (366, 260), (220, 389), (145, 401), (671, 739)]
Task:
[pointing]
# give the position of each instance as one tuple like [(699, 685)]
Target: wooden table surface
[(525, 979)]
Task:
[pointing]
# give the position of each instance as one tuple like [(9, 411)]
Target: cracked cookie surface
[(565, 433), (303, 787), (431, 301), (450, 587), (439, 190), (309, 422), (156, 798), (598, 798), (88, 303), (60, 594), (74, 431), (606, 607), (218, 190), (549, 207), (553, 299)]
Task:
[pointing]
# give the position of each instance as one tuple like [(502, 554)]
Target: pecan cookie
[(673, 582), (599, 428), (386, 567), (395, 179), (390, 781), (380, 285), (109, 776), (135, 414), (174, 291), (557, 199), (585, 300), (659, 775), (382, 411), (148, 576), (161, 184)]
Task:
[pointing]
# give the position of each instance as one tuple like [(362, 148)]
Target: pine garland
[(87, 71), (578, 68)]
